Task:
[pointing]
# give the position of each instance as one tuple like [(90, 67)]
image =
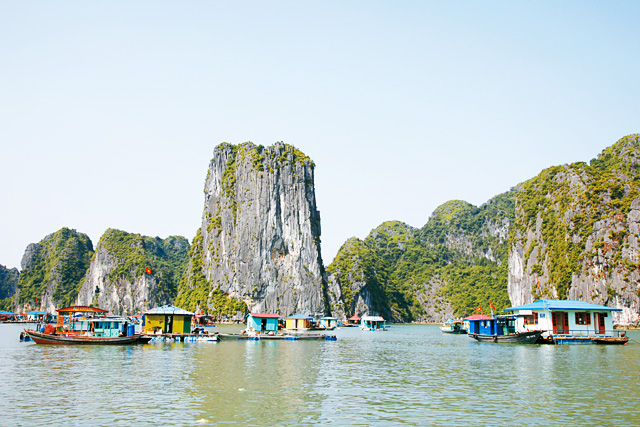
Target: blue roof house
[(568, 321)]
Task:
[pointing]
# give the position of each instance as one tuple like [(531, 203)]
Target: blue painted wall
[(256, 323)]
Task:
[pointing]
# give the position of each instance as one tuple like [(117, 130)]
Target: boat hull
[(610, 340), (452, 331), (50, 339), (518, 338), (567, 339)]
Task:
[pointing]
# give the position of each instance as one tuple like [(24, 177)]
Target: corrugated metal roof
[(168, 309), (265, 315), (554, 304), (374, 318), (81, 309), (299, 316)]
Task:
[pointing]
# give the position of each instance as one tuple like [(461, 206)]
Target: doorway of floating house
[(600, 322), (169, 325), (263, 325), (560, 322)]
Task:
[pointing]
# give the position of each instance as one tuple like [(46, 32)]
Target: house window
[(531, 319), (583, 318)]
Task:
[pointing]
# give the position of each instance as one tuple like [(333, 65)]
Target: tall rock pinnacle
[(260, 235)]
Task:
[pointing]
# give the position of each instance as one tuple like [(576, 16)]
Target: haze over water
[(409, 375)]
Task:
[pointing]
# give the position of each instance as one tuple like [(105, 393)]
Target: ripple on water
[(409, 375)]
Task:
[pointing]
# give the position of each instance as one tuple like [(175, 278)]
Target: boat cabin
[(167, 320), (263, 322), (499, 325), (566, 321), (102, 327), (299, 322), (76, 314), (372, 323), (466, 321)]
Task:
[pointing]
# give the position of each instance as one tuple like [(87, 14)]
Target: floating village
[(541, 322)]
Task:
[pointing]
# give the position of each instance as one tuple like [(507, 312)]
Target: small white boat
[(453, 327)]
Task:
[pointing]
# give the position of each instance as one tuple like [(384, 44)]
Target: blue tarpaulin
[(37, 313), (7, 313)]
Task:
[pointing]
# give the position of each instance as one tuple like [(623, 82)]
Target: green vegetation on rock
[(458, 258), (197, 293), (166, 258), (8, 281), (56, 265), (566, 202), (8, 284)]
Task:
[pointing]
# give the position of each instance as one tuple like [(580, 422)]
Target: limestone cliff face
[(577, 233), (259, 240), (118, 279), (52, 271), (394, 273), (8, 281), (356, 280)]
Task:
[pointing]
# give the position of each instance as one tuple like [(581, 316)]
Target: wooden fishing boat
[(622, 340), (43, 338), (501, 329), (91, 327)]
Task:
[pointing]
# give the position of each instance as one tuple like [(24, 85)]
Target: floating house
[(372, 323), (353, 320), (569, 322), (263, 322), (6, 316), (299, 322), (38, 316), (328, 322), (167, 320)]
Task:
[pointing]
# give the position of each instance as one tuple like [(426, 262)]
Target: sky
[(110, 110)]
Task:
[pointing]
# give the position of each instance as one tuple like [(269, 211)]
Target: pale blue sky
[(110, 111)]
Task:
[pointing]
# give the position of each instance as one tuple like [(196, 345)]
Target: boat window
[(583, 318), (531, 319)]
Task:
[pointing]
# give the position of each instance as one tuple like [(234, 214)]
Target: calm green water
[(409, 375)]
